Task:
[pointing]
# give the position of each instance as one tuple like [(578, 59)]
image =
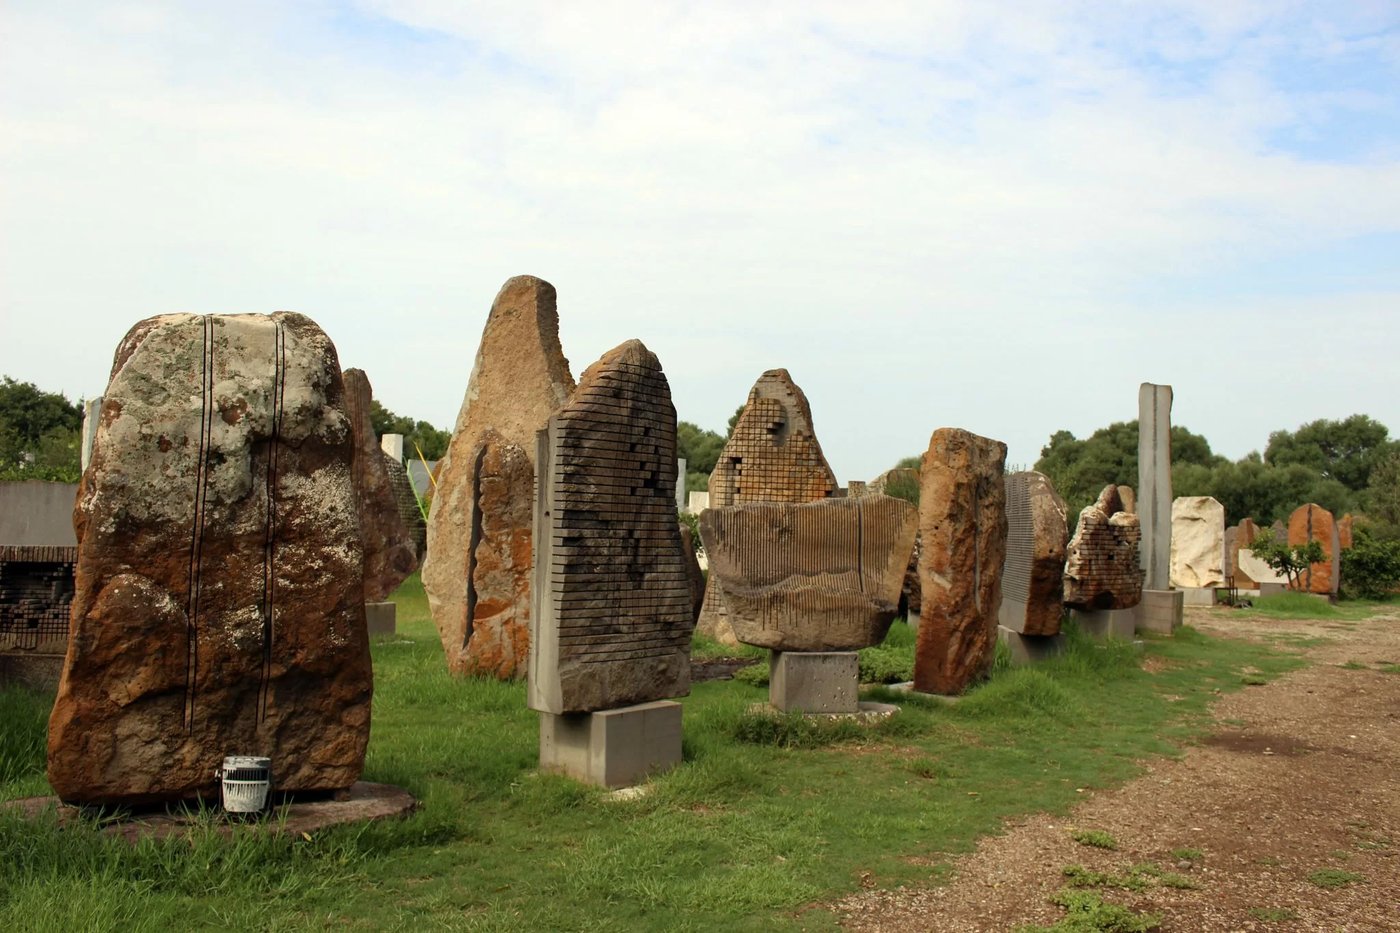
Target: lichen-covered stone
[(962, 541), (390, 555), (220, 582), (1037, 533), (519, 379), (815, 576), (611, 610), (1101, 565)]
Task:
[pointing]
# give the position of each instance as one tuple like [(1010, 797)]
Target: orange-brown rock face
[(1244, 534), (481, 602), (962, 540), (612, 618), (1032, 580), (1344, 530), (219, 606), (390, 555), (1314, 523), (1101, 565), (772, 456)]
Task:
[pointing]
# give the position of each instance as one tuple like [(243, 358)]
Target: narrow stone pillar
[(392, 444), (1155, 483), (92, 410)]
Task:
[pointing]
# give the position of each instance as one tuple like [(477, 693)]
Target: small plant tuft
[(1334, 878), (1088, 913), (1094, 837), (1189, 855)]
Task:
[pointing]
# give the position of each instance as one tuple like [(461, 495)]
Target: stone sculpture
[(407, 503), (1102, 568), (771, 456), (477, 572), (1312, 522), (962, 540), (1237, 539), (220, 597), (612, 616), (695, 578), (1037, 534), (390, 555), (1198, 542), (1344, 531)]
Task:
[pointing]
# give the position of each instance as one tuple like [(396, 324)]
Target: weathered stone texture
[(611, 603), (817, 576), (694, 576), (481, 601), (1155, 483), (1314, 523), (1344, 531), (772, 456), (390, 555), (962, 533), (1032, 578), (1198, 542), (220, 585), (407, 503), (1101, 567), (1237, 539)]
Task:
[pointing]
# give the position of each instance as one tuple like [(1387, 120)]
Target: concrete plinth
[(1198, 595), (612, 747), (1107, 623), (381, 619), (1160, 611), (1271, 589), (814, 681), (33, 670), (1028, 649)]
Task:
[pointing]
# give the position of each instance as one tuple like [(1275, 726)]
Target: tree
[(40, 433), (1383, 498), (1346, 451), (700, 449), (429, 439), (1289, 561)]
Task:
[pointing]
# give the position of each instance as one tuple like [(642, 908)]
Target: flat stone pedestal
[(1107, 623), (381, 619), (1271, 589), (612, 747), (1027, 649), (1198, 595), (814, 681), (1160, 611), (35, 671)]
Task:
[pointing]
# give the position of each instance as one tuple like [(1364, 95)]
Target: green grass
[(1188, 855), (1086, 912), (1389, 668), (1290, 605), (1096, 838), (1334, 878), (760, 822), (1352, 666)]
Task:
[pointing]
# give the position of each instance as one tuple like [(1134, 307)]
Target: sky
[(1002, 217)]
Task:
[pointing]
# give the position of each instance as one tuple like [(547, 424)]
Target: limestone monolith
[(1198, 542)]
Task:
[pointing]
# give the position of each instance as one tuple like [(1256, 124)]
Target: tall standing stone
[(1037, 534), (390, 554), (1344, 531), (771, 456), (962, 532), (612, 613), (477, 571), (1314, 523), (1198, 542), (1154, 512), (219, 606)]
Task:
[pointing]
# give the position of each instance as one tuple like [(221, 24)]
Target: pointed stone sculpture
[(477, 572), (611, 619), (390, 555), (962, 534), (1102, 569), (219, 606), (1198, 542), (772, 456), (1312, 522), (1037, 534)]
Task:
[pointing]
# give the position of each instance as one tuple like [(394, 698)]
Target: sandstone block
[(1314, 523), (962, 530), (1198, 542)]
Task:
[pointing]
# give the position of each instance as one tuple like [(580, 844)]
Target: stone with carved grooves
[(1032, 579), (1312, 522)]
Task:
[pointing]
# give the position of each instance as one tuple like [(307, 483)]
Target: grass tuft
[(1088, 913), (1334, 878), (1094, 837)]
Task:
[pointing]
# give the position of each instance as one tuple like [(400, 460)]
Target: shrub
[(1370, 567)]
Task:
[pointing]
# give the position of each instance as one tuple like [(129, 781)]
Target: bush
[(1370, 568)]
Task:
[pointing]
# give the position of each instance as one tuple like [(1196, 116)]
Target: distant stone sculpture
[(1344, 531), (695, 578), (477, 570), (407, 503), (771, 456), (1237, 539), (1037, 534), (1198, 542), (390, 555), (962, 535), (815, 576), (1312, 522), (220, 599), (1102, 569), (612, 617)]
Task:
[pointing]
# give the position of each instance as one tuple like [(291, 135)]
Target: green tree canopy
[(700, 449), (429, 439), (40, 433), (1346, 451)]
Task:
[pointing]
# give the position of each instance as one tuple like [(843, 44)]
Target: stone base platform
[(30, 669), (362, 803), (1107, 623), (1028, 649), (1199, 595), (1160, 611), (814, 681), (612, 747), (381, 619), (866, 711)]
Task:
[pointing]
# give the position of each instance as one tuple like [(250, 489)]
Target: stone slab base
[(1107, 623), (908, 687), (1271, 589), (866, 711), (1198, 595), (612, 747), (1028, 649), (814, 681), (362, 803), (35, 671), (1160, 611), (381, 619)]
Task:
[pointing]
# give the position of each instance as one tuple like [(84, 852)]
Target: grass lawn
[(758, 824)]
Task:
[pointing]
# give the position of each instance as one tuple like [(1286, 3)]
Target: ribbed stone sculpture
[(1032, 579)]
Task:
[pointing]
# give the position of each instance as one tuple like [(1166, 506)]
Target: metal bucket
[(247, 783)]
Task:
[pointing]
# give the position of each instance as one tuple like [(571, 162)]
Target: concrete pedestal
[(1107, 623), (36, 671), (1271, 589), (1198, 595), (814, 681), (1160, 611), (612, 747), (381, 619), (1027, 649)]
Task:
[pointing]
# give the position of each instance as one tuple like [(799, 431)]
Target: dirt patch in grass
[(1303, 784)]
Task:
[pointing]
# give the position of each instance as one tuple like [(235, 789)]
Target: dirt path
[(1302, 775)]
